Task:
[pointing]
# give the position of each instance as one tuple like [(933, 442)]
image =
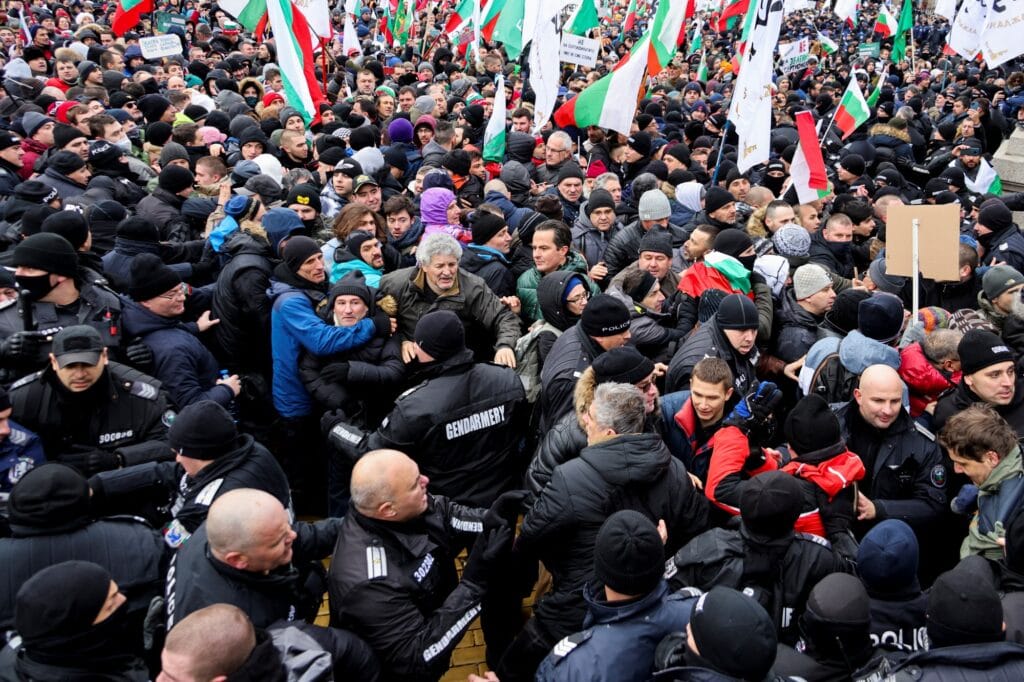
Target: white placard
[(160, 46), (579, 50)]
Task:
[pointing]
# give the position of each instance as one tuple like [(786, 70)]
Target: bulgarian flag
[(733, 11), (584, 19), (846, 10), (810, 179), (461, 16), (127, 16), (885, 24), (718, 271), (611, 101), (490, 18), (828, 46), (702, 68), (665, 32), (630, 21), (494, 135), (696, 41), (852, 111), (987, 181)]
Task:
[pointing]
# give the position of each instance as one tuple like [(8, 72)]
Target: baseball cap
[(77, 344)]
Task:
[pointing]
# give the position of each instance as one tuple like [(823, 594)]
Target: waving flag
[(630, 21), (731, 14), (584, 19), (828, 46), (885, 24), (665, 32), (846, 10), (494, 135), (127, 16), (906, 25), (852, 111), (751, 109), (508, 29), (810, 180)]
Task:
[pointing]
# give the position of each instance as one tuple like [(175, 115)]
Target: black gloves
[(382, 323), (203, 270), (90, 462), (22, 346), (335, 373), (489, 550), (504, 511), (139, 355), (753, 415)]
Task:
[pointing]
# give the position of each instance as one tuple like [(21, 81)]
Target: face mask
[(124, 144), (747, 261), (36, 286), (840, 249), (252, 101)]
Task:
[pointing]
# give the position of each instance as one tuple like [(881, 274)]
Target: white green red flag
[(810, 179), (828, 46), (846, 10), (630, 21), (732, 13), (127, 16), (611, 101), (702, 68), (665, 32), (696, 41), (852, 111), (987, 181), (460, 18), (490, 14), (494, 134), (508, 28), (886, 23)]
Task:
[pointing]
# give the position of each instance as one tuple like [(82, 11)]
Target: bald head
[(239, 517), (208, 643), (879, 396), (387, 484)]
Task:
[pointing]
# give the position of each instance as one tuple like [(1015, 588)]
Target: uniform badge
[(938, 476)]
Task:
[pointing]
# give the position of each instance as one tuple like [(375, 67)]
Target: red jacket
[(924, 382), (832, 476), (33, 150)]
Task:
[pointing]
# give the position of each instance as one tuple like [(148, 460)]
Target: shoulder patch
[(670, 568), (810, 537), (167, 418), (938, 476), (568, 644), (18, 436), (924, 432), (28, 379), (144, 390), (376, 563), (209, 491)]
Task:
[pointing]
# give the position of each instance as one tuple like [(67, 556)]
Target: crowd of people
[(702, 421)]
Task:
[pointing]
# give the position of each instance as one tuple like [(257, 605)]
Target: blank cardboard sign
[(938, 241)]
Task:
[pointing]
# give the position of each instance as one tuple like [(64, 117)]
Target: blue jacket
[(294, 326), (186, 367), (20, 452), (619, 641)]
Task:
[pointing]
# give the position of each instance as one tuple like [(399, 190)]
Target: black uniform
[(905, 476), (463, 426), (126, 546), (394, 585), (780, 573), (96, 307), (187, 500), (196, 579), (241, 304), (124, 412)]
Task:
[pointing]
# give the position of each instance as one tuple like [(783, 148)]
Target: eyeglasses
[(180, 292), (579, 298)]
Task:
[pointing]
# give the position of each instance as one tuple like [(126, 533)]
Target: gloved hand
[(203, 270), (504, 511), (966, 501), (488, 551), (382, 323), (21, 346), (90, 462), (139, 355), (753, 414), (335, 373), (330, 419)]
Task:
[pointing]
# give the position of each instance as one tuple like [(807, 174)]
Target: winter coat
[(624, 247), (896, 139), (67, 187), (923, 380), (526, 286), (710, 341), (856, 353), (569, 356), (822, 254), (963, 663), (240, 303), (631, 471), (434, 205), (796, 329), (962, 397), (1006, 246), (1000, 498), (163, 209), (590, 241), (345, 262), (490, 265), (186, 367)]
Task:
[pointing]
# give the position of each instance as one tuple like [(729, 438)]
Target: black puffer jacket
[(564, 441), (961, 397), (241, 304), (633, 471), (709, 341), (491, 266), (624, 247), (963, 663), (822, 254), (572, 353), (796, 330), (163, 209)]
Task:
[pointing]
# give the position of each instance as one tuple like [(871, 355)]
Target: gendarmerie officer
[(211, 458), (55, 294), (91, 413), (463, 423), (392, 579)]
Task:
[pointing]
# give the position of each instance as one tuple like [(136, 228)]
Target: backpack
[(528, 358), (832, 381)]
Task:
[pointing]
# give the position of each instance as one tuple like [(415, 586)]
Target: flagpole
[(721, 150)]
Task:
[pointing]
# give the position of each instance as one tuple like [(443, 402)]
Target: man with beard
[(363, 254)]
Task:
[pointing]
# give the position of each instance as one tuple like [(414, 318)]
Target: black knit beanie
[(629, 556), (203, 430), (150, 277), (440, 334)]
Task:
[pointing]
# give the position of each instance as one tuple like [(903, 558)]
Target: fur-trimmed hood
[(885, 129)]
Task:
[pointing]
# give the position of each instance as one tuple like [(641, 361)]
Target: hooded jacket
[(434, 205), (631, 471), (526, 285), (923, 380), (490, 265), (710, 341), (590, 241)]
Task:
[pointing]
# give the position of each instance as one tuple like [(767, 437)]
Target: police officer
[(91, 413), (463, 422), (905, 478), (20, 449), (54, 295), (249, 553), (392, 579), (51, 521), (212, 458)]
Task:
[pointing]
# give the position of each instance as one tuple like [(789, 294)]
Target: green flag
[(906, 23), (584, 19), (509, 29)]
